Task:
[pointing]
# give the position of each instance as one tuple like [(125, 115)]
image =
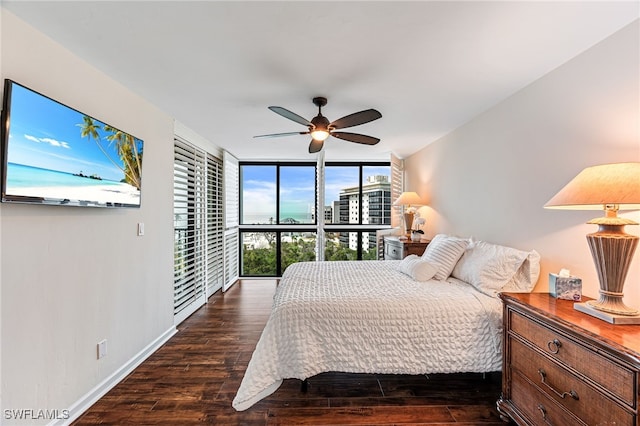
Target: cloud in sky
[(259, 197), (54, 142), (50, 141)]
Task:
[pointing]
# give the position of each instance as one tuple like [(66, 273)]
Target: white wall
[(71, 277), (490, 178)]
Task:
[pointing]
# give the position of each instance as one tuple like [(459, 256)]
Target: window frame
[(318, 226), (278, 165)]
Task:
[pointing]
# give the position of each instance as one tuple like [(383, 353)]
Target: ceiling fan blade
[(315, 146), (355, 137), (275, 135), (290, 115), (355, 119)]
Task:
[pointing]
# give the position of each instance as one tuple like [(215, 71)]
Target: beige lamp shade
[(408, 199), (595, 187)]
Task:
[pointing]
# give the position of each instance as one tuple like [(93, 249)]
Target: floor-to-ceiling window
[(357, 203), (278, 216), (282, 213)]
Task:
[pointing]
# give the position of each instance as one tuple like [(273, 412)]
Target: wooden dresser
[(394, 249), (564, 367)]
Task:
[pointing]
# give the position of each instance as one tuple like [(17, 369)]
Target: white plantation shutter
[(189, 217), (231, 220), (215, 225), (397, 185), (198, 227), (231, 266)]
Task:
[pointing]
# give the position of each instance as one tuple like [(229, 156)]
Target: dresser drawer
[(392, 252), (612, 376), (565, 388), (538, 407), (396, 249)]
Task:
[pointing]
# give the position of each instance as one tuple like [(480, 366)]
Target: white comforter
[(367, 317)]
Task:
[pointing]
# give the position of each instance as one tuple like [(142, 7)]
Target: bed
[(408, 316)]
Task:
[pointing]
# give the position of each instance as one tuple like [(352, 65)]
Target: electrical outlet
[(140, 229), (102, 349)]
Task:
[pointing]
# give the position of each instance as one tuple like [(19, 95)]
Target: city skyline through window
[(280, 213), (297, 192)]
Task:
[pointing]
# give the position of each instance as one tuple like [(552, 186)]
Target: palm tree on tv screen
[(128, 151)]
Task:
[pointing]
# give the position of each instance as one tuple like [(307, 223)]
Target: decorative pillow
[(418, 269), (445, 251), (526, 276), (489, 267)]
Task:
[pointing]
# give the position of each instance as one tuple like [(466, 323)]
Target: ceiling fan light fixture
[(319, 128), (320, 134)]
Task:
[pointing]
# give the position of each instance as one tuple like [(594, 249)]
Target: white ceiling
[(427, 66)]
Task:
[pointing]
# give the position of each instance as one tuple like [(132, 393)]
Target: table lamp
[(608, 187), (407, 199)]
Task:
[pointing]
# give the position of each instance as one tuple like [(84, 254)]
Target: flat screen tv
[(55, 155)]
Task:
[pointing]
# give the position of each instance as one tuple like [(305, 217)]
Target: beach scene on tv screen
[(57, 153)]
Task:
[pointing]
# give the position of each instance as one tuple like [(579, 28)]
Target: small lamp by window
[(408, 199), (608, 187)]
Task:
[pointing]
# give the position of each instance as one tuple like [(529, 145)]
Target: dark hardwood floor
[(193, 378)]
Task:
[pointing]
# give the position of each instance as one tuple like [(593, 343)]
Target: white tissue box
[(569, 288)]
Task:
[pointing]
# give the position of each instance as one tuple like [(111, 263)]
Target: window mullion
[(320, 203)]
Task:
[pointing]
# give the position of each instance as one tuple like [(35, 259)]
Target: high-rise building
[(328, 214), (376, 209)]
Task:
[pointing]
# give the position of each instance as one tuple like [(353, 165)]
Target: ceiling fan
[(320, 128)]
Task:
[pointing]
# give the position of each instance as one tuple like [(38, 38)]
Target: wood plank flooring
[(193, 378)]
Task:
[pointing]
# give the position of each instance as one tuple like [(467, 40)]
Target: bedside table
[(394, 249), (564, 367)]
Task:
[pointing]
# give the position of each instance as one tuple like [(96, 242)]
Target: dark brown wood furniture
[(563, 367), (394, 249)]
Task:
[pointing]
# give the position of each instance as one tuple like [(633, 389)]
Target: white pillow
[(489, 267), (445, 251), (416, 268), (526, 276)]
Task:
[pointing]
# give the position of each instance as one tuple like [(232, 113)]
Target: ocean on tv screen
[(27, 181)]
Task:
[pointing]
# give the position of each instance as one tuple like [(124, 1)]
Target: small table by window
[(394, 249)]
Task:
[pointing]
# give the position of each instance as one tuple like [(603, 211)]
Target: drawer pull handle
[(554, 346), (543, 411), (543, 377)]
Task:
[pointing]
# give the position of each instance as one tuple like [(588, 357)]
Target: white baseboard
[(84, 403)]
